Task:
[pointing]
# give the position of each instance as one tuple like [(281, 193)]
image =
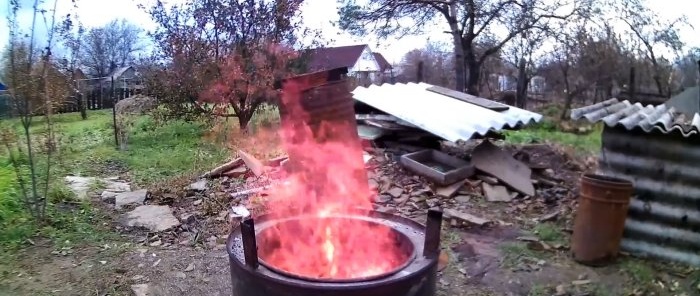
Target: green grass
[(539, 290), (641, 273), (156, 152), (547, 131), (513, 253), (549, 233)]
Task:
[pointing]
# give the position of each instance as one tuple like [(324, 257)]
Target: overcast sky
[(317, 14)]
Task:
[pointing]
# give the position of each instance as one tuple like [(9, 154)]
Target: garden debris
[(491, 159), (236, 172), (437, 166), (496, 193), (549, 217), (198, 186), (255, 165), (277, 161), (443, 260), (395, 192), (189, 267), (450, 213), (238, 213), (130, 198), (141, 290), (218, 171), (450, 190), (487, 179), (152, 217)]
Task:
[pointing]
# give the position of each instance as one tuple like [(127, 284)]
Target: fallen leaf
[(443, 260), (581, 282), (189, 267)]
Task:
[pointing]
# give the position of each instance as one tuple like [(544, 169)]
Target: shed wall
[(664, 214)]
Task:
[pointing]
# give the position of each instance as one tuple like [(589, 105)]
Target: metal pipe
[(250, 247), (431, 247)]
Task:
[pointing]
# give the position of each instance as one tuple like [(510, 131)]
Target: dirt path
[(481, 262)]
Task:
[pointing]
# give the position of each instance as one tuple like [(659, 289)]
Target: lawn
[(87, 147), (547, 131)]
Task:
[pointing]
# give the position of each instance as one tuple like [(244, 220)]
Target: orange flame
[(328, 179)]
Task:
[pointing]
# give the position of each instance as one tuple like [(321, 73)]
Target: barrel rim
[(607, 180)]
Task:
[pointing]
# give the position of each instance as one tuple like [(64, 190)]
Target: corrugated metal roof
[(441, 115), (664, 214), (661, 118)]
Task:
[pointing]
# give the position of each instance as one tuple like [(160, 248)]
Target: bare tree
[(437, 65), (72, 33), (688, 68), (469, 22), (523, 54), (652, 32), (33, 91), (112, 45)]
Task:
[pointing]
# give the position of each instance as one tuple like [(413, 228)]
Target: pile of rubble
[(492, 175), (499, 176)]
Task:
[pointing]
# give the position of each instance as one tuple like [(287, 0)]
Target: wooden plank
[(488, 104), (469, 218)]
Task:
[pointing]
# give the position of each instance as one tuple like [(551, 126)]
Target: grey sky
[(317, 14)]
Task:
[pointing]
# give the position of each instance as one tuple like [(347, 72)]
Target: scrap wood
[(218, 171), (236, 172), (490, 159), (450, 213), (252, 163), (550, 216), (544, 181), (277, 161), (495, 193), (250, 191), (450, 190)]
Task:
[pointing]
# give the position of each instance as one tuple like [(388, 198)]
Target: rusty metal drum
[(600, 219)]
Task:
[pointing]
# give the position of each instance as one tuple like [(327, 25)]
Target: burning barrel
[(254, 271), (320, 235)]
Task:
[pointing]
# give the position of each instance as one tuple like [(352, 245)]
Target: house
[(361, 62), (123, 77), (386, 70)]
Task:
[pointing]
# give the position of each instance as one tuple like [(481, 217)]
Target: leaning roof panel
[(444, 116)]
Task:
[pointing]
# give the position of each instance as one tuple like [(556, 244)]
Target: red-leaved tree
[(222, 57)]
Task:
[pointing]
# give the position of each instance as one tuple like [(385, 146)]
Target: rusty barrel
[(600, 219)]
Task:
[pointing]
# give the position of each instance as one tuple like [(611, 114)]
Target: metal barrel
[(600, 219)]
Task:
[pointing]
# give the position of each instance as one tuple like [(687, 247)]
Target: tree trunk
[(81, 107), (521, 88), (567, 106), (460, 71), (243, 121), (473, 77)]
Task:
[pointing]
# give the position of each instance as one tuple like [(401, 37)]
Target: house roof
[(383, 63), (118, 72), (662, 118), (325, 58), (437, 113)]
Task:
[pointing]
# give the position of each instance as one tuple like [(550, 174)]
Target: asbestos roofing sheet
[(441, 115), (649, 118)]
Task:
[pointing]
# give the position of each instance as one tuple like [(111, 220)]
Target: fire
[(328, 183)]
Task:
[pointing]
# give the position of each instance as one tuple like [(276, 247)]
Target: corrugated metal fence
[(664, 216)]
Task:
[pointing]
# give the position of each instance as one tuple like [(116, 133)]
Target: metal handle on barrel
[(431, 247)]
